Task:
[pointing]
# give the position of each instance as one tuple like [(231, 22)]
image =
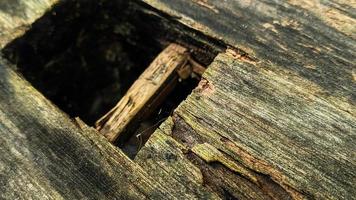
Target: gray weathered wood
[(258, 118), (314, 39), (45, 155), (280, 102), (16, 16), (273, 118)]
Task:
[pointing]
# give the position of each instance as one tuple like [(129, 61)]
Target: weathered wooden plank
[(280, 102), (307, 143), (44, 155), (16, 16), (314, 39), (269, 126), (274, 117), (165, 157)]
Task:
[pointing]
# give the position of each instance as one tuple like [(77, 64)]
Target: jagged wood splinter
[(149, 90)]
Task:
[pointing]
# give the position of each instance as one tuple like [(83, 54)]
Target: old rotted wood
[(149, 90), (273, 116)]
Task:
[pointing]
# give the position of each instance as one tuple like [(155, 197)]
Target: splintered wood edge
[(140, 94)]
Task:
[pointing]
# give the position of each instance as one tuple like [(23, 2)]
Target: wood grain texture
[(257, 123), (280, 101), (163, 158), (16, 16), (167, 157), (313, 39), (45, 155), (273, 118)]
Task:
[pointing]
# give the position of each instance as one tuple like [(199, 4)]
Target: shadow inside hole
[(84, 56)]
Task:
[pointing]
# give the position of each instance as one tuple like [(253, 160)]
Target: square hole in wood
[(84, 57)]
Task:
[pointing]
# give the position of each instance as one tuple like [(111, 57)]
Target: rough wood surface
[(280, 103), (257, 123), (273, 118), (313, 39), (16, 16), (45, 155)]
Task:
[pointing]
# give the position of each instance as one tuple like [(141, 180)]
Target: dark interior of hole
[(83, 56)]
